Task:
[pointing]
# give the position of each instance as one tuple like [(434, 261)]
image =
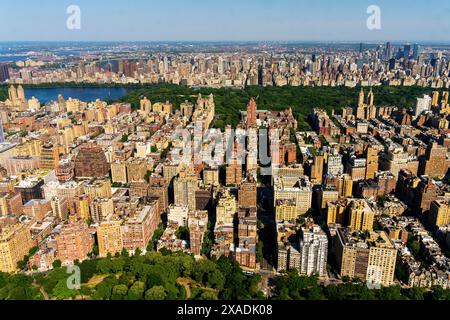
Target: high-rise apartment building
[(439, 213), (138, 228), (233, 172), (178, 215), (313, 251), (433, 164), (251, 113), (198, 224), (361, 216), (247, 196), (226, 207), (184, 187), (334, 166), (74, 241), (370, 257), (49, 157), (298, 189), (371, 162), (91, 162), (109, 237), (4, 72), (15, 242), (285, 210), (317, 169)]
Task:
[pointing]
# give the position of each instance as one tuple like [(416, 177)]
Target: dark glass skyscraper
[(4, 72), (416, 51)]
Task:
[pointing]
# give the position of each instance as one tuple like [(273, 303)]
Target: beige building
[(298, 189), (361, 216), (109, 237), (226, 208), (184, 187), (211, 177), (370, 257), (345, 187), (15, 242), (286, 210), (98, 188), (119, 172), (439, 213), (101, 208)]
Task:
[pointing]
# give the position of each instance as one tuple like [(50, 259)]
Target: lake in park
[(45, 95)]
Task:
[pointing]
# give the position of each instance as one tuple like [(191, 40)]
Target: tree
[(136, 292), (119, 292), (125, 253), (147, 175), (208, 295), (315, 293), (137, 252), (183, 233), (124, 138), (87, 269), (104, 289), (155, 293), (391, 293), (21, 264), (440, 294), (259, 251), (117, 264), (56, 264), (415, 293), (156, 236), (104, 266), (207, 240), (62, 292)]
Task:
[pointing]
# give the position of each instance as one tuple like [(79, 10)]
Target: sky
[(225, 20)]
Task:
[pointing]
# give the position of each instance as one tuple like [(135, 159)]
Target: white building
[(335, 166), (423, 104), (178, 214), (313, 251)]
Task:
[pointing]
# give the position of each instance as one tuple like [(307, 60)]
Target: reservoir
[(45, 95)]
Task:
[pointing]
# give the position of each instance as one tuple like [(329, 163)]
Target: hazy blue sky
[(225, 20)]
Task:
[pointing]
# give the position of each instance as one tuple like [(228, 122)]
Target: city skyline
[(243, 152), (255, 20)]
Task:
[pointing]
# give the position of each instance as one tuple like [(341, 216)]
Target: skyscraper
[(407, 51), (416, 51), (388, 52), (4, 72), (251, 113)]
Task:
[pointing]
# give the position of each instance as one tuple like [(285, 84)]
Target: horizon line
[(238, 41)]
